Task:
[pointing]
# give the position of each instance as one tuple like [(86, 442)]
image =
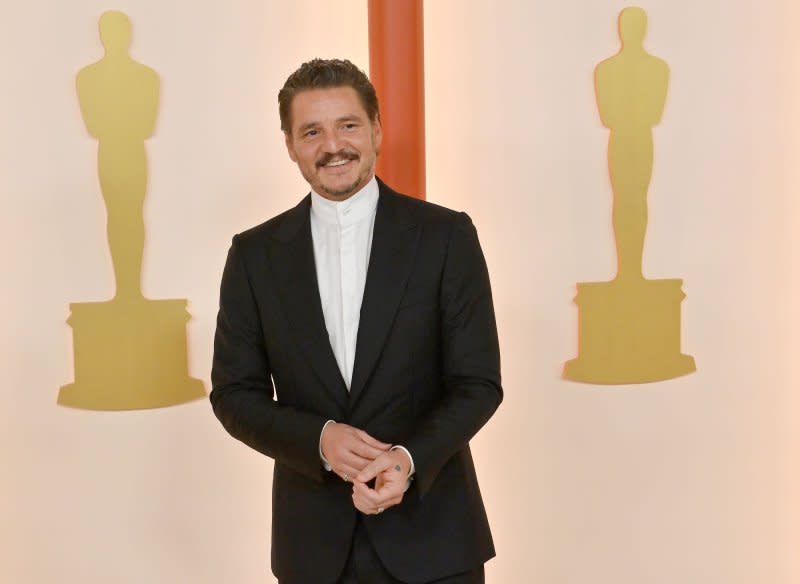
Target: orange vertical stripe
[(396, 63)]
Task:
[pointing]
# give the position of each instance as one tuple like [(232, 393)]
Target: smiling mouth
[(337, 163), (335, 159)]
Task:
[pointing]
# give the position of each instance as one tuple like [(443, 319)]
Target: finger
[(374, 468), (372, 441), (390, 475), (375, 498), (381, 507), (360, 504), (356, 447), (389, 487), (365, 494), (348, 456), (367, 451), (387, 505), (388, 499), (390, 491), (355, 461), (346, 473), (363, 504)]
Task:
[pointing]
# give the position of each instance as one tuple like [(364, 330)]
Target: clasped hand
[(356, 456)]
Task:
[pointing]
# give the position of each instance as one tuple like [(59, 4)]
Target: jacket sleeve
[(471, 358), (243, 394)]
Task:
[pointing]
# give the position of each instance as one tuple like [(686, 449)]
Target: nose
[(332, 143)]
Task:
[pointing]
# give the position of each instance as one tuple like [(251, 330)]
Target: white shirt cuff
[(325, 462)]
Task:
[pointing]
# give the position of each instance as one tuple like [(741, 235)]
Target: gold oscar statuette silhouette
[(630, 327), (130, 352)]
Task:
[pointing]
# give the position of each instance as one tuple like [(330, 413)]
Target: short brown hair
[(325, 73)]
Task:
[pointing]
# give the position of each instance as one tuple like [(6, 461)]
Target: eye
[(350, 126), (310, 133)]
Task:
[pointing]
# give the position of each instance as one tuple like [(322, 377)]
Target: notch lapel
[(294, 269), (394, 244)]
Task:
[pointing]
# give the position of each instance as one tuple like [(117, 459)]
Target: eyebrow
[(350, 118), (347, 118)]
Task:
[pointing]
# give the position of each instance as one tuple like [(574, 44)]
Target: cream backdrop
[(693, 480)]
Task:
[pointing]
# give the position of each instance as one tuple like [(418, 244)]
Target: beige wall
[(692, 481)]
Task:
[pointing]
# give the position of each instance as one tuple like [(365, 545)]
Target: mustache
[(341, 154)]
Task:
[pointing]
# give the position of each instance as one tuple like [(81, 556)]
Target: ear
[(289, 146), (377, 133)]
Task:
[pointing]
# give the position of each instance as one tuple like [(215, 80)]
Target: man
[(356, 345)]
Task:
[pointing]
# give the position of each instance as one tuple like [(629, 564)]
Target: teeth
[(337, 163)]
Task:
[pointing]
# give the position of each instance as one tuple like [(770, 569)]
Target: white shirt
[(342, 235)]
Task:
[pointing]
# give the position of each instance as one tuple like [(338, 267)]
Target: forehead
[(323, 105)]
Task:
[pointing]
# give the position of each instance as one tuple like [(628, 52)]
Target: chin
[(344, 189)]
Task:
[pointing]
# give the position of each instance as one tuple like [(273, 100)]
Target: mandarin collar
[(352, 210)]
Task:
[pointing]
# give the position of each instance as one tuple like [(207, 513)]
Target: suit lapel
[(394, 244), (292, 255)]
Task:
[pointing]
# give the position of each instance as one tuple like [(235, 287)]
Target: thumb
[(373, 469)]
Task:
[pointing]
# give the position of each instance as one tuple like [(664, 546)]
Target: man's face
[(333, 141)]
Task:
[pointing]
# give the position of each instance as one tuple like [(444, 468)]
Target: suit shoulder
[(429, 213), (258, 232)]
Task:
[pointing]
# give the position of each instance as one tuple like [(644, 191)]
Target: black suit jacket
[(426, 376)]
